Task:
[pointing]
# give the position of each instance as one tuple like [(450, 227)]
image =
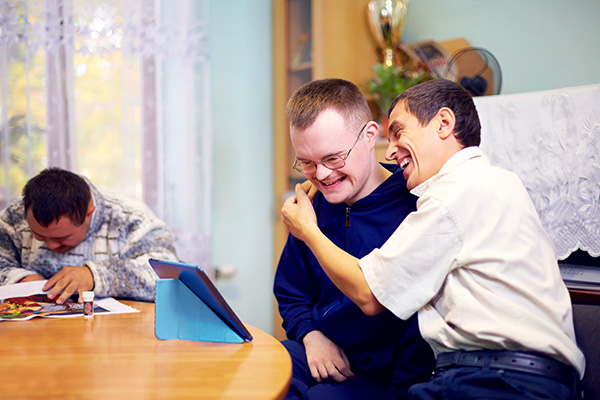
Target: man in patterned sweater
[(81, 238)]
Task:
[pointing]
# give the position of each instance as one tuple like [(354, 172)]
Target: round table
[(117, 356)]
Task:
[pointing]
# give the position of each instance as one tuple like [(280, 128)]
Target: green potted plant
[(388, 83)]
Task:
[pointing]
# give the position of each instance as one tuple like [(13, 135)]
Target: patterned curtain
[(117, 90), (551, 139)]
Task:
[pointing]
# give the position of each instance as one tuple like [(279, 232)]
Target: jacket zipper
[(347, 217)]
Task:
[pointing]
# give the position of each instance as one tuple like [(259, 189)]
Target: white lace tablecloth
[(551, 139)]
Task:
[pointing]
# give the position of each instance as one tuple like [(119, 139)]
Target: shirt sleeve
[(11, 270), (409, 270), (295, 290), (129, 275)]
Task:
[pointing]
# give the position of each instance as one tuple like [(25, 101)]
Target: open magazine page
[(23, 301)]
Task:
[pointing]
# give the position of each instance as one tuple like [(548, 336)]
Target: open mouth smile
[(404, 162), (334, 182)]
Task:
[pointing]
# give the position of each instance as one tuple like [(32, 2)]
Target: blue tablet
[(198, 282)]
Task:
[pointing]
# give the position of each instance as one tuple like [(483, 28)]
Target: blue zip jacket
[(383, 346)]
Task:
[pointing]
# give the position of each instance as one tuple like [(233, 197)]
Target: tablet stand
[(180, 314)]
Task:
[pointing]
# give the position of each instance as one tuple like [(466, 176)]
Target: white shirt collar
[(466, 153)]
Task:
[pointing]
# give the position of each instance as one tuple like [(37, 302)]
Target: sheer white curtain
[(551, 139), (117, 90)]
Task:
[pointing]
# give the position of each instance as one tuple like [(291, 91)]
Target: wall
[(240, 46), (540, 44)]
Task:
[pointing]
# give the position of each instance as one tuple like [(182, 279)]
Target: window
[(117, 91)]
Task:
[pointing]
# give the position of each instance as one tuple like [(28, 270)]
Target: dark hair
[(312, 98), (426, 99), (55, 193)]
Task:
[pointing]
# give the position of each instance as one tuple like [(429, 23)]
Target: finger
[(310, 189), (314, 371), (306, 185), (301, 195), (51, 282), (323, 373), (66, 294), (57, 289), (300, 191), (337, 375), (287, 203), (286, 207), (345, 369), (55, 284)]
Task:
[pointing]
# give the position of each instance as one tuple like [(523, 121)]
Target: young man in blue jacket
[(337, 351)]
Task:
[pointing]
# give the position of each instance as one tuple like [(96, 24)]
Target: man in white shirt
[(473, 261)]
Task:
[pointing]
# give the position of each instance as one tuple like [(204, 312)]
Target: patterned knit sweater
[(124, 234)]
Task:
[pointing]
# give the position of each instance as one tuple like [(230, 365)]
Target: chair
[(587, 321)]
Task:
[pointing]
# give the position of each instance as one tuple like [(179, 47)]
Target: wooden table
[(118, 357)]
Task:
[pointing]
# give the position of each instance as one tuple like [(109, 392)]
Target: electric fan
[(476, 69)]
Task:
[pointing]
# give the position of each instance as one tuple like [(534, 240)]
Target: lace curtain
[(551, 139), (117, 91)]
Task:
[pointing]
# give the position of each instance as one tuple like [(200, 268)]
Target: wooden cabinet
[(312, 39)]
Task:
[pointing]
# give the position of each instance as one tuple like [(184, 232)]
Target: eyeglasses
[(333, 162)]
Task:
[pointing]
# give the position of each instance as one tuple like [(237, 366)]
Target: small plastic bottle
[(88, 304)]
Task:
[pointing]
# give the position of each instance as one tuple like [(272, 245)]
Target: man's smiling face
[(414, 147), (330, 136), (60, 236)]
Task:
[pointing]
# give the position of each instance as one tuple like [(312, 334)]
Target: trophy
[(387, 19)]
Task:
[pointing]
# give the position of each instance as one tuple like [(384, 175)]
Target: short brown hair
[(312, 98), (55, 193), (425, 100)]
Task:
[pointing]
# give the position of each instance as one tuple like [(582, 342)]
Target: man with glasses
[(337, 351)]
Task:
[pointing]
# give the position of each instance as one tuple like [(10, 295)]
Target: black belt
[(513, 361)]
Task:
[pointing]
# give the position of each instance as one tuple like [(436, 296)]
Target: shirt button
[(428, 307)]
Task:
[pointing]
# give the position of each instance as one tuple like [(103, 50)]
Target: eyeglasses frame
[(343, 158)]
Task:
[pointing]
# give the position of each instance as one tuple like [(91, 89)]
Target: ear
[(446, 122), (371, 133), (90, 210)]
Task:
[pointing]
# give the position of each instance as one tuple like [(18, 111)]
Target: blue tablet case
[(181, 314)]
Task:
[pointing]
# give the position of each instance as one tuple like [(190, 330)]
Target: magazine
[(23, 301)]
